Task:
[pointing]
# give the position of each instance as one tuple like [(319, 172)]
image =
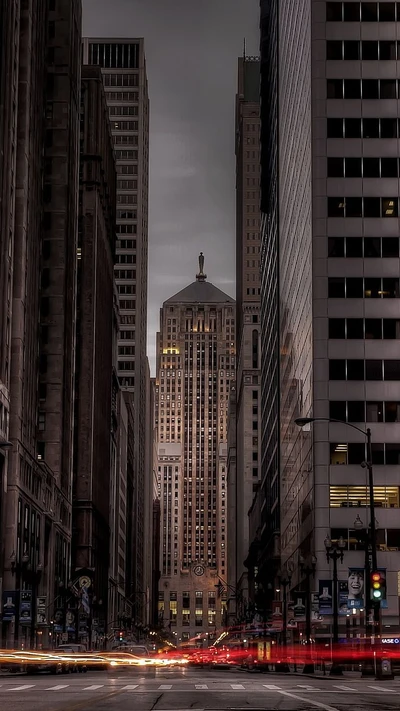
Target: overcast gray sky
[(191, 52)]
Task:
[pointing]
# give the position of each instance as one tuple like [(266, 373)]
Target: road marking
[(308, 687), (344, 688), (93, 687), (129, 687), (57, 688), (271, 686), (165, 686), (201, 686), (318, 704), (382, 688), (237, 686), (22, 688)]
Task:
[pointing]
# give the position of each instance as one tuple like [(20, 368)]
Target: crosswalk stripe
[(165, 686), (57, 688), (271, 686), (307, 687), (21, 688), (201, 686), (382, 688), (129, 687), (93, 687), (237, 686), (344, 688)]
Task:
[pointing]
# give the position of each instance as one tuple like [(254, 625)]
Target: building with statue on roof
[(195, 375)]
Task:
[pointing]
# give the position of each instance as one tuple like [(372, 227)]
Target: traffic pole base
[(367, 669), (336, 670), (309, 668)]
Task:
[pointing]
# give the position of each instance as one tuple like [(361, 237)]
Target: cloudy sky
[(191, 51)]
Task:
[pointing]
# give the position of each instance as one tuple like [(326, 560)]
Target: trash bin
[(384, 669)]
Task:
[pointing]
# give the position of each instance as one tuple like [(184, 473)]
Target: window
[(337, 328), (352, 89), (369, 12), (334, 49), (336, 247), (336, 287), (334, 89), (335, 167), (351, 11), (334, 11), (353, 206), (353, 247), (335, 128), (355, 328), (370, 128), (369, 50), (389, 207), (372, 207), (373, 370), (351, 50), (352, 167), (337, 370), (352, 128), (391, 369), (335, 207), (370, 89), (387, 50), (388, 89), (389, 167), (387, 12), (371, 167)]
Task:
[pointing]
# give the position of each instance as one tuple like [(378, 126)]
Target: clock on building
[(198, 570)]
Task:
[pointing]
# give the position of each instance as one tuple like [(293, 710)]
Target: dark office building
[(39, 134), (94, 340)]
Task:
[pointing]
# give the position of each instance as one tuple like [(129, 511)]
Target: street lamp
[(301, 422), (334, 552), (308, 569)]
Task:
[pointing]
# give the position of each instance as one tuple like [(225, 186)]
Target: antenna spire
[(244, 48)]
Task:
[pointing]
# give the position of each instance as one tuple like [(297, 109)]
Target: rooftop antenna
[(244, 48)]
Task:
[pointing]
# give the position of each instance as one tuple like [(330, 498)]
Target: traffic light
[(377, 586)]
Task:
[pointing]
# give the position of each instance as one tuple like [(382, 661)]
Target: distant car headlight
[(113, 664)]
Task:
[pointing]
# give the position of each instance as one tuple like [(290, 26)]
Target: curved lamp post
[(301, 422)]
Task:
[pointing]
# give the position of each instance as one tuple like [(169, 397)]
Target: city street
[(183, 690)]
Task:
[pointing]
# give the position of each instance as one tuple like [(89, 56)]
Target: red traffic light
[(376, 581)]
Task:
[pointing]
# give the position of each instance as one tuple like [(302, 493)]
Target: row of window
[(118, 55), (387, 539), (124, 110), (121, 79), (384, 496), (127, 169), (361, 88), (359, 288), (362, 11), (362, 128), (127, 155), (368, 247), (126, 229), (366, 49), (124, 125), (363, 207), (127, 184), (355, 453), (355, 369), (122, 96), (362, 167), (361, 329), (360, 411)]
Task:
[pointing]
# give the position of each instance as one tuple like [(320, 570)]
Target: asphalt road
[(194, 689)]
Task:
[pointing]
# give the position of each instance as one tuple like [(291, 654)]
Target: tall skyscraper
[(38, 328), (94, 344), (338, 281), (123, 68), (246, 464), (195, 373)]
